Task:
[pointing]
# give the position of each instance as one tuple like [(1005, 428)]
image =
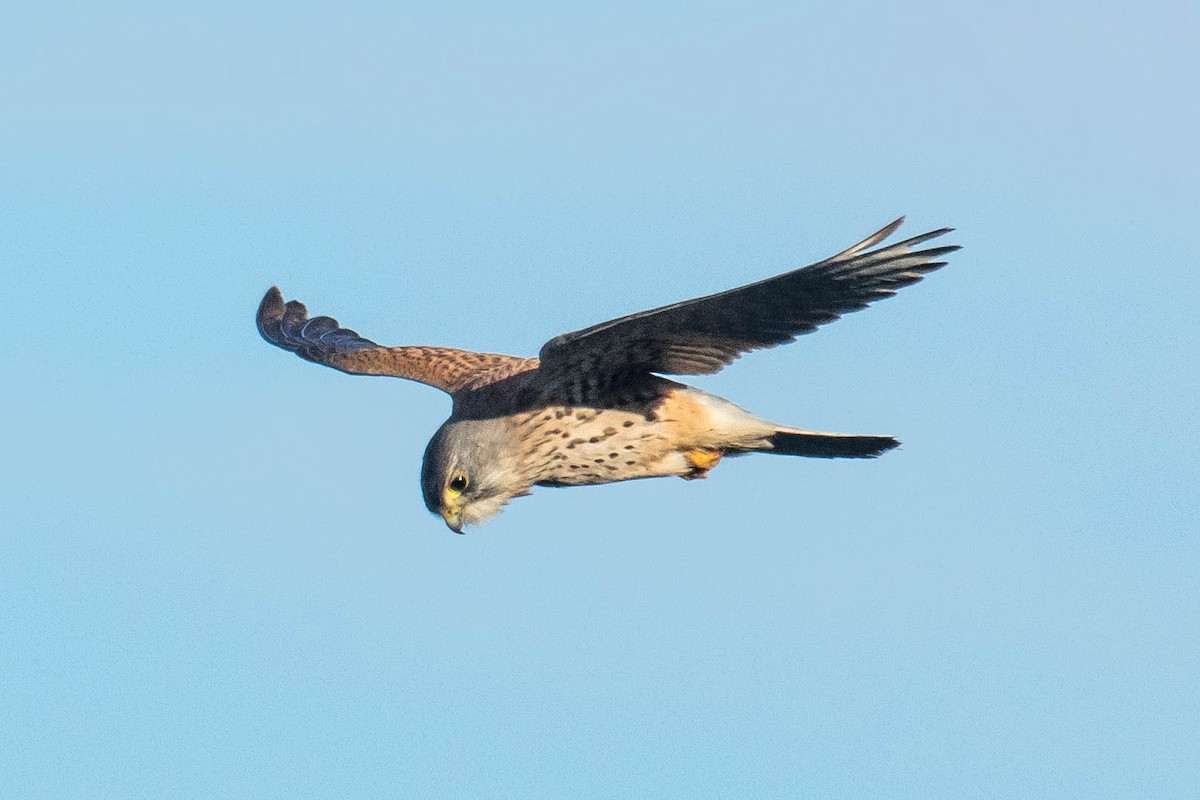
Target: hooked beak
[(454, 518)]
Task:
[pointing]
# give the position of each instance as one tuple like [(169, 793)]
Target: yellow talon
[(702, 460)]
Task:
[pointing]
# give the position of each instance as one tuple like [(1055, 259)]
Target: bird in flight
[(593, 407)]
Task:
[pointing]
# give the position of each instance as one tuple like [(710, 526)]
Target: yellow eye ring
[(458, 483)]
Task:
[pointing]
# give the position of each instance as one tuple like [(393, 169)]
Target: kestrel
[(593, 407)]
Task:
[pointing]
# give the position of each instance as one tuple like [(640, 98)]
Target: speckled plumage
[(593, 408)]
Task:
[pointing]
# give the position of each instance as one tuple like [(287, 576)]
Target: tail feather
[(814, 444)]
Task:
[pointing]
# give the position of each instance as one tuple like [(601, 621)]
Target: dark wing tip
[(272, 303), (270, 313), (320, 339), (938, 252), (282, 323)]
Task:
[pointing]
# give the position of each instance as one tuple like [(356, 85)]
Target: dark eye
[(458, 483)]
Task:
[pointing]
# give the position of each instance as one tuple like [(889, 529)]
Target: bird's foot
[(702, 460)]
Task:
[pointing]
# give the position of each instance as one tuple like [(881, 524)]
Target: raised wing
[(698, 337), (322, 341)]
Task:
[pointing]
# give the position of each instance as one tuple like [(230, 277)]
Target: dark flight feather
[(701, 336)]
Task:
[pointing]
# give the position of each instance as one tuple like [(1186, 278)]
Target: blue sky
[(217, 575)]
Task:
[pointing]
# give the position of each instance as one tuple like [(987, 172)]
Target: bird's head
[(470, 471)]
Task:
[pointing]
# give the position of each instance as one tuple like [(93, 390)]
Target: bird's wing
[(323, 341), (701, 336)]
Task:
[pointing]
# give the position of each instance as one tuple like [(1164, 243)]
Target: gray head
[(470, 471)]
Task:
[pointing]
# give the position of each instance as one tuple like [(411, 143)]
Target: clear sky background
[(217, 578)]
